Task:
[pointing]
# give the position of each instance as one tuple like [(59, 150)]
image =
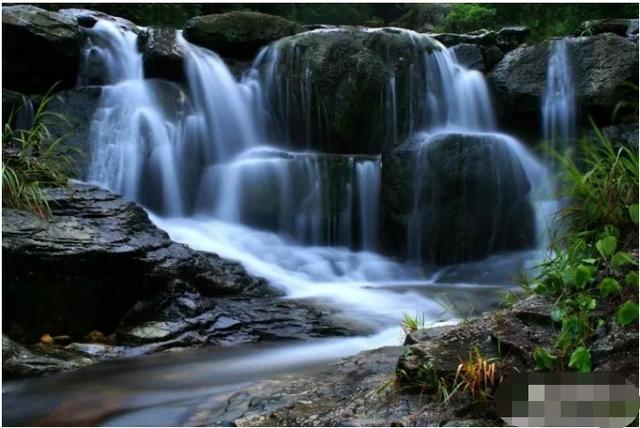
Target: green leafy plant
[(593, 268), (581, 360), (627, 313)]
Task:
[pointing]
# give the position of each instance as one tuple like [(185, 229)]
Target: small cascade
[(226, 119), (559, 105), (312, 198), (134, 145), (484, 174)]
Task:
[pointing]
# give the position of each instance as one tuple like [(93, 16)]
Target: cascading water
[(559, 105), (459, 115), (217, 169), (133, 143)]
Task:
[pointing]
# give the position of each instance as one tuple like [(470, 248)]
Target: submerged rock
[(238, 34), (18, 361), (471, 200), (40, 49)]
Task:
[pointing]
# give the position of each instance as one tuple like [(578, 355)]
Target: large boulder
[(455, 197), (346, 90), (469, 56), (98, 255), (237, 34), (40, 48), (602, 65)]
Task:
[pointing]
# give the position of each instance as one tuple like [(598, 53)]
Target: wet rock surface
[(162, 56), (100, 264), (601, 65), (459, 200), (319, 81)]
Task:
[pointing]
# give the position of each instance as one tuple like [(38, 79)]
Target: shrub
[(32, 160)]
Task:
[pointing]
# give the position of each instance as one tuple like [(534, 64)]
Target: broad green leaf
[(632, 279), (607, 246), (581, 360), (572, 327), (557, 314), (621, 258), (589, 261), (581, 275), (609, 286), (544, 359), (633, 212), (627, 313), (585, 301)]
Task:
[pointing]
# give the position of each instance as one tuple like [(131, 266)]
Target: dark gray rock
[(100, 264), (322, 78), (18, 361), (238, 34), (470, 203), (469, 56), (509, 38), (602, 65), (162, 56), (76, 107), (92, 261), (424, 334), (40, 48), (492, 56), (615, 350), (624, 134), (622, 27)]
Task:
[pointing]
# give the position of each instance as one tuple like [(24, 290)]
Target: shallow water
[(168, 389)]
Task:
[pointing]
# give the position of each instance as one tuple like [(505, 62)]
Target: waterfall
[(239, 150), (133, 144), (458, 109), (559, 105)]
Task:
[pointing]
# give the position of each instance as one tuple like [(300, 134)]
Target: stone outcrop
[(320, 80), (238, 34), (622, 27), (470, 204), (602, 66), (99, 264), (40, 48)]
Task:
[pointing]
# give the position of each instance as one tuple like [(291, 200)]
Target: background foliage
[(545, 20)]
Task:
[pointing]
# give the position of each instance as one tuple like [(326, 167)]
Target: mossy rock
[(40, 49), (238, 34), (331, 89)]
